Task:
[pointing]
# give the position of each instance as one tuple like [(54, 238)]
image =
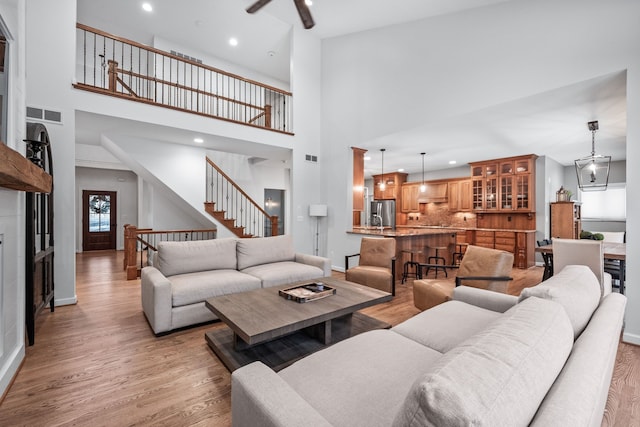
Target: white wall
[(51, 40), (124, 183), (12, 224), (460, 63)]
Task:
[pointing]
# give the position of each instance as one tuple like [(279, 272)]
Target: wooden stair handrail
[(237, 187)]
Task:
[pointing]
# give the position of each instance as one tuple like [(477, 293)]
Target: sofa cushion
[(575, 288), (199, 255), (264, 250), (446, 325), (191, 288), (361, 381), (372, 276), (579, 394), (282, 273), (497, 377)]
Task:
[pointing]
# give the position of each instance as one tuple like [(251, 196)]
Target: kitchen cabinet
[(410, 197), (460, 195), (565, 220), (520, 243), (358, 178), (504, 185), (485, 238), (505, 241), (484, 186), (515, 184), (393, 186)]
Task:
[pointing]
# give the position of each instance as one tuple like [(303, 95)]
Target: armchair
[(377, 265), (480, 267)]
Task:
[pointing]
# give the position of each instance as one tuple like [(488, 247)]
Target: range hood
[(435, 193)]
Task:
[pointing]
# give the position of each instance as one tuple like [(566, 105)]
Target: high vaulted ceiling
[(519, 127)]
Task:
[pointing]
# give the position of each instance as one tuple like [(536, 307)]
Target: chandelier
[(593, 170)]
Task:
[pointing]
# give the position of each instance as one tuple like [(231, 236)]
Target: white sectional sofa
[(185, 274), (482, 359)]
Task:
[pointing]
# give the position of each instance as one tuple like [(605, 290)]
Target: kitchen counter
[(413, 238), (403, 232), (461, 228)]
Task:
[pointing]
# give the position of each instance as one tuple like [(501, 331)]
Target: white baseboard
[(66, 301), (336, 268), (10, 368), (631, 338)]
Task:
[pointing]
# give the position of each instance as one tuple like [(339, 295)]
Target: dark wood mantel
[(19, 173)]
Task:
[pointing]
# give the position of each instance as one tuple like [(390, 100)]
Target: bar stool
[(461, 248), (411, 264), (434, 260)]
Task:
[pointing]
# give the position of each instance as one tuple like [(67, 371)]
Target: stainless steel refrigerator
[(383, 212)]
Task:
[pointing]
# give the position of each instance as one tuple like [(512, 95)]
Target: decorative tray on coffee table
[(307, 292)]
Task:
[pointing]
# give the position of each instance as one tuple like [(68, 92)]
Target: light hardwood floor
[(98, 363)]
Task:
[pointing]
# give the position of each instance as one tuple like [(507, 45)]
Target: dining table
[(612, 251)]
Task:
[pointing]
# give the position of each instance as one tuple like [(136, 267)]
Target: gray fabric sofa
[(185, 274), (483, 359)]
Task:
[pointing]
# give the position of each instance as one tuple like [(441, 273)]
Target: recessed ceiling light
[(198, 140), (308, 2), (367, 157), (233, 41), (401, 170), (452, 162), (147, 7)]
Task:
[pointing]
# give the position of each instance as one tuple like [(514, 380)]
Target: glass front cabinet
[(504, 185)]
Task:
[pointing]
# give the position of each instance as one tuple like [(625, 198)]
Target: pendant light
[(593, 170), (423, 187), (382, 185)]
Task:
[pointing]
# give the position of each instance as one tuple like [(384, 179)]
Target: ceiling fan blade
[(305, 15), (257, 6)]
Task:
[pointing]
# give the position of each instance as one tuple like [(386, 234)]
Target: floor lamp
[(317, 211)]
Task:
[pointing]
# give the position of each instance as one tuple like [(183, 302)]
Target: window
[(610, 204)]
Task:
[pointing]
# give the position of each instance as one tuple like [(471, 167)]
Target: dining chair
[(376, 266), (548, 260), (612, 266), (582, 252)]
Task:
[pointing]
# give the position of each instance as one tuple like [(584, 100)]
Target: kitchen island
[(416, 240), (519, 242)]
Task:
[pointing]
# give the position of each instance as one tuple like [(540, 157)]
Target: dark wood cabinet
[(39, 269), (565, 220)]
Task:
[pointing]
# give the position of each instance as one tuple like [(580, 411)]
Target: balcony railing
[(119, 67)]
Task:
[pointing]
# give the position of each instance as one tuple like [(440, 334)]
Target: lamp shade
[(317, 210)]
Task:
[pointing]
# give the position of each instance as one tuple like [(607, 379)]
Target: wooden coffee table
[(262, 325)]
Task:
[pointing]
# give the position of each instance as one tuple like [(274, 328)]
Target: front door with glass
[(99, 220)]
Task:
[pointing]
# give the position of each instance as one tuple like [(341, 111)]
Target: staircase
[(234, 209)]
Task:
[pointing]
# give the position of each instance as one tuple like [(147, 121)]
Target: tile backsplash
[(438, 214)]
